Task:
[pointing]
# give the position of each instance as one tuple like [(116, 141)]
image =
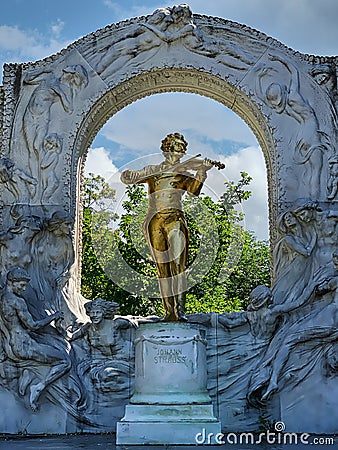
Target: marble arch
[(51, 110), (181, 80)]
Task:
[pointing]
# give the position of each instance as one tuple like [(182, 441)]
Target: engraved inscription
[(172, 355)]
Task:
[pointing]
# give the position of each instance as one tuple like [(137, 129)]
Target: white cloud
[(251, 160), (124, 10), (12, 38), (99, 163), (19, 45), (248, 160), (57, 27), (206, 125)]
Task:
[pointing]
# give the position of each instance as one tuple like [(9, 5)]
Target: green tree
[(241, 261), (97, 197)]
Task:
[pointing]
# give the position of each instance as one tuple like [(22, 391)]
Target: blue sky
[(34, 29)]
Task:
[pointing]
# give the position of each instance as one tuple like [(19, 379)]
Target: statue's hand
[(128, 176), (207, 164)]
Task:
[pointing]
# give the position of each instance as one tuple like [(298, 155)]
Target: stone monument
[(170, 404), (276, 360)]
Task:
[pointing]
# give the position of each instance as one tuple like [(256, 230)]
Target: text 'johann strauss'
[(172, 355)]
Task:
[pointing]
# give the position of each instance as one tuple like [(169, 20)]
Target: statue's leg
[(158, 245), (178, 237), (47, 354)]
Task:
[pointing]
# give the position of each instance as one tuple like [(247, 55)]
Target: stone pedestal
[(171, 404)]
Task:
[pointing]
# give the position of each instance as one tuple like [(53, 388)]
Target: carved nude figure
[(168, 26), (326, 77), (16, 327), (51, 89), (103, 332), (182, 28), (263, 316), (319, 225), (165, 226)]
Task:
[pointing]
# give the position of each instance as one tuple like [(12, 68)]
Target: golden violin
[(196, 163)]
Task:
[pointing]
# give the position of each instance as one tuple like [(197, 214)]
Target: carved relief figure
[(140, 40), (332, 185), (104, 354), (319, 223), (167, 26), (52, 146), (259, 316), (317, 329), (183, 28), (263, 315), (165, 226), (110, 348), (18, 182), (54, 256), (286, 98), (293, 254), (16, 244), (325, 76), (16, 326), (265, 319), (326, 221), (37, 116)]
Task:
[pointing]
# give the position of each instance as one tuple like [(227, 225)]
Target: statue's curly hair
[(108, 308), (166, 145)]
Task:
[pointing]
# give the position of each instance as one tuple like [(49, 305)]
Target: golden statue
[(165, 225)]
